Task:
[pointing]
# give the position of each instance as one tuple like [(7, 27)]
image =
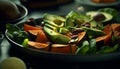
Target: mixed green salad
[(74, 33)]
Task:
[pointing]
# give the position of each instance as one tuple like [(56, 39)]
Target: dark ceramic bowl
[(23, 13), (67, 60)]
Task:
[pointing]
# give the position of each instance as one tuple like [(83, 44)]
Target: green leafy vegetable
[(111, 11), (93, 32), (84, 48), (93, 46), (16, 34), (108, 49), (12, 28)]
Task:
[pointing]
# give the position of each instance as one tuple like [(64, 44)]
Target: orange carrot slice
[(37, 45), (81, 37), (106, 38), (41, 37), (116, 29), (33, 32), (29, 27), (62, 48)]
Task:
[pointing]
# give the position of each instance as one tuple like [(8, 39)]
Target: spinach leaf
[(84, 48), (108, 49), (93, 46), (16, 34)]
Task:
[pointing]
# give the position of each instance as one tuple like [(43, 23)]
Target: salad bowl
[(48, 53)]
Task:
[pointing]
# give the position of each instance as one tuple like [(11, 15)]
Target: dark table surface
[(7, 50)]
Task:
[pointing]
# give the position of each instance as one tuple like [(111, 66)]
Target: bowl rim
[(20, 7)]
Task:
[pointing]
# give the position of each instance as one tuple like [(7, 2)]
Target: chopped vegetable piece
[(93, 46), (81, 37), (100, 16), (84, 48), (56, 37), (41, 37), (29, 27), (108, 49), (106, 38), (25, 42), (11, 28), (33, 32), (62, 48), (64, 30), (93, 32), (116, 30), (37, 45), (111, 11)]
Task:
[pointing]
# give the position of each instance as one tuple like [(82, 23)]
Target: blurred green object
[(111, 11), (1, 39), (12, 63), (84, 48)]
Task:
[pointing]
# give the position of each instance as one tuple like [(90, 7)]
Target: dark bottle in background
[(44, 4)]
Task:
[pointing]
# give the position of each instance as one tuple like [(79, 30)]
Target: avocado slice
[(75, 19), (72, 14), (69, 22), (52, 27), (63, 30), (114, 12), (53, 23), (108, 16), (52, 17), (55, 20), (55, 37), (93, 32)]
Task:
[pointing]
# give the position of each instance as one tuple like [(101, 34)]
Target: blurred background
[(36, 9), (60, 7)]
